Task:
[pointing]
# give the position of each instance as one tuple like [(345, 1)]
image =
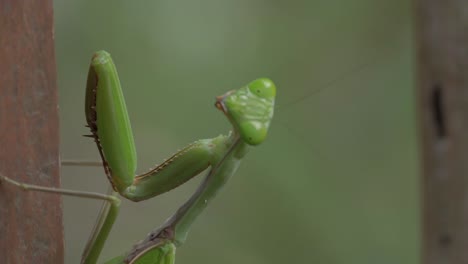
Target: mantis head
[(250, 109)]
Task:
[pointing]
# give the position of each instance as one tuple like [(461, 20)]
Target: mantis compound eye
[(263, 88), (250, 109)]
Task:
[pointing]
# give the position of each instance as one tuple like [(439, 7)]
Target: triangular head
[(250, 109)]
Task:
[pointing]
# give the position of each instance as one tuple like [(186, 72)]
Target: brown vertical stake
[(30, 223), (442, 37)]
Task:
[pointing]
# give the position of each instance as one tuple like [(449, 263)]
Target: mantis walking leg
[(107, 215)]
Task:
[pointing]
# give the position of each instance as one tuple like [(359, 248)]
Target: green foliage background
[(336, 181)]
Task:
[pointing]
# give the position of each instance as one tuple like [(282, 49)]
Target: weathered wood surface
[(30, 223), (442, 42)]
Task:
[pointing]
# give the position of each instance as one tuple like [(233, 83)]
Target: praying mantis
[(249, 110)]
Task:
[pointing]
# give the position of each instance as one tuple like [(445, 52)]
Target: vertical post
[(30, 223), (443, 110)]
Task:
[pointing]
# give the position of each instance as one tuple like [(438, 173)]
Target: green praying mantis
[(249, 109)]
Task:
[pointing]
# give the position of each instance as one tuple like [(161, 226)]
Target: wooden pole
[(30, 223), (442, 40)]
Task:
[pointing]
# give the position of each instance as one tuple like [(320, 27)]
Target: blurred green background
[(337, 179)]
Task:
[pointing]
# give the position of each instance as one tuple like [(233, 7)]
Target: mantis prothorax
[(249, 110)]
